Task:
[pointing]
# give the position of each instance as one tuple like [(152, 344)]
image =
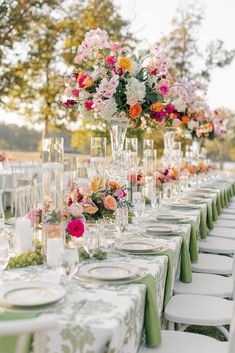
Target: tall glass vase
[(168, 136), (117, 135), (52, 191), (196, 147)]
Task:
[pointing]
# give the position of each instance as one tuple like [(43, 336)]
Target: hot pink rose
[(89, 105), (164, 88), (76, 228), (76, 92), (110, 60)]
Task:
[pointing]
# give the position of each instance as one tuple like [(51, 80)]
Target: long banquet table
[(110, 318)]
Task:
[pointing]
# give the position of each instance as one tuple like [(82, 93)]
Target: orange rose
[(192, 170), (125, 63), (185, 119), (114, 185), (110, 203), (173, 116), (135, 111), (156, 107)]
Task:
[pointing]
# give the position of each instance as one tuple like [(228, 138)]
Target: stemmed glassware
[(138, 204), (69, 260), (121, 220), (91, 238), (4, 253)]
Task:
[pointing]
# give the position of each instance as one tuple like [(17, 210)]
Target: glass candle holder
[(98, 157), (52, 191)]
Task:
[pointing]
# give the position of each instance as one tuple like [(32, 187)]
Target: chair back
[(23, 327), (231, 348)]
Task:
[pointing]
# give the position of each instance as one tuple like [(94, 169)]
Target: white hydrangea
[(191, 124), (110, 109), (135, 91), (179, 104)]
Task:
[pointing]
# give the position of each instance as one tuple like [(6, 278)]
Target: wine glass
[(156, 199), (138, 204), (69, 260), (4, 253), (121, 220), (91, 238)]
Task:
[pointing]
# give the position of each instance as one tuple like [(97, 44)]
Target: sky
[(150, 19)]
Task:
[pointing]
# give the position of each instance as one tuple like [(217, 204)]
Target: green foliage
[(182, 48), (38, 41)]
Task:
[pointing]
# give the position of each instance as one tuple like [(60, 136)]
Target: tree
[(47, 38), (181, 46)]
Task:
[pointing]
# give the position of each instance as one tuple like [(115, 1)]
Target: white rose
[(179, 105), (76, 210), (135, 89), (191, 124)]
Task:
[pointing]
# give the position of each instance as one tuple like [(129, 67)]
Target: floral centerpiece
[(166, 176), (112, 83)]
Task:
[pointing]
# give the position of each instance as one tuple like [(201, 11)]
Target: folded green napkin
[(203, 228), (169, 276), (214, 211), (222, 200), (218, 204), (193, 244), (210, 223), (152, 323), (8, 343)]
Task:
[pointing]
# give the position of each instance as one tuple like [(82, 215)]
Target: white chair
[(217, 246), (184, 342), (222, 232), (206, 284), (225, 223), (22, 328), (227, 216), (199, 310), (214, 264)]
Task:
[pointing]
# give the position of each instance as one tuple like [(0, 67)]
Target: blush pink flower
[(90, 207), (176, 123), (167, 179), (76, 228), (76, 210), (115, 46), (110, 203)]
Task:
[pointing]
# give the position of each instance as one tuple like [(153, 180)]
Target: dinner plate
[(108, 271), (185, 205), (163, 229), (10, 221), (178, 218), (31, 294), (141, 246)]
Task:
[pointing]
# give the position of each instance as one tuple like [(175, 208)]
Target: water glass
[(156, 199), (121, 220), (138, 203), (166, 191), (69, 261), (4, 253), (148, 144), (98, 147), (131, 145), (2, 222), (91, 238)]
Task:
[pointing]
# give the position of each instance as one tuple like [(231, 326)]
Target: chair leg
[(224, 331), (171, 326), (183, 327)]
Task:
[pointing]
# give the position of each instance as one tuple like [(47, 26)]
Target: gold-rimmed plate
[(139, 246), (108, 271), (31, 294), (161, 229)]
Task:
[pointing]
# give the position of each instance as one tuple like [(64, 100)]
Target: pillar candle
[(24, 234)]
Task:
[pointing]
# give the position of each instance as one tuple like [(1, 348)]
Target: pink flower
[(120, 193), (76, 228), (69, 103), (110, 60), (89, 105), (76, 210), (76, 92), (176, 123), (115, 46), (164, 88), (170, 108), (85, 81), (167, 179)]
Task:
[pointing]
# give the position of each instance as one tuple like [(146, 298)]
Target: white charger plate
[(30, 294), (141, 246), (108, 271), (163, 229), (179, 218)]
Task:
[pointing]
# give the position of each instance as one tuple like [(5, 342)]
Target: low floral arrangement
[(166, 176), (200, 168), (112, 83)]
